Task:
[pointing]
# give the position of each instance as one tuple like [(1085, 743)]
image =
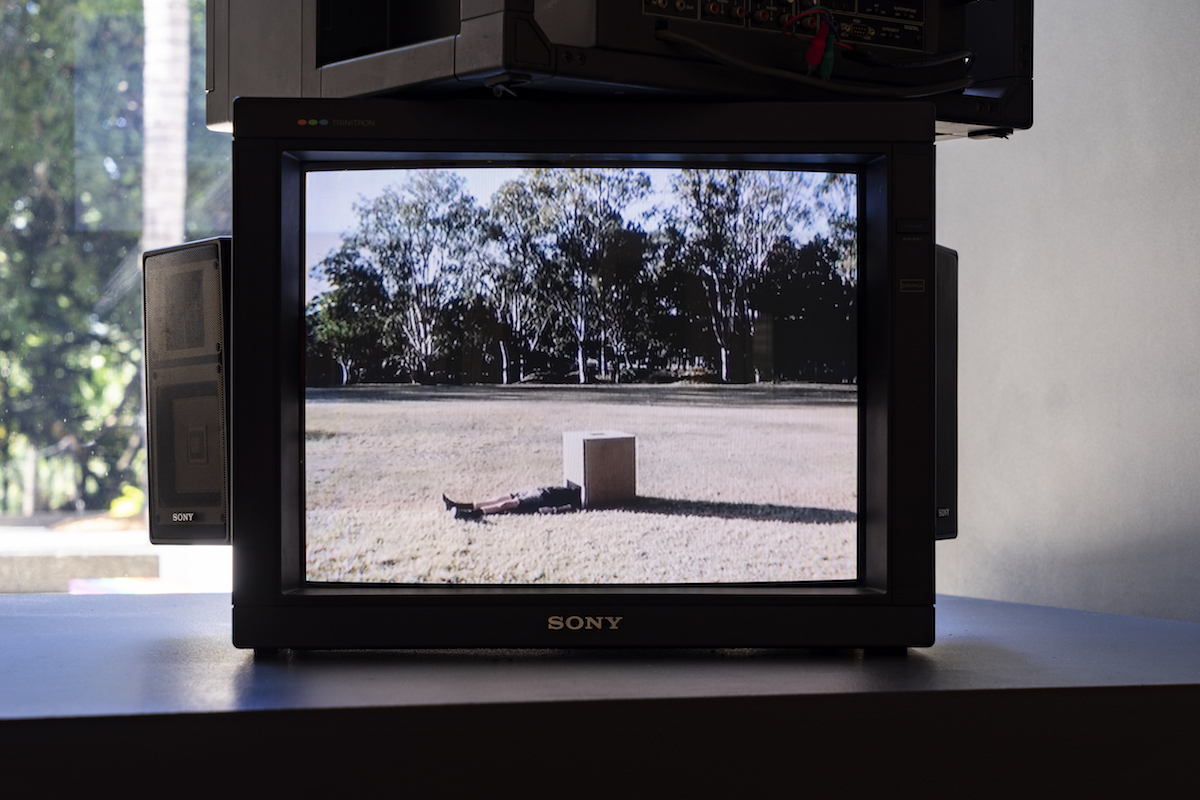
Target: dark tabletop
[(66, 655), (146, 692)]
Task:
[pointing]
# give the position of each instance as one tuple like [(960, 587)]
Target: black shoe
[(451, 505)]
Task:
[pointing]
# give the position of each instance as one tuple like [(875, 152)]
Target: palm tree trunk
[(164, 154)]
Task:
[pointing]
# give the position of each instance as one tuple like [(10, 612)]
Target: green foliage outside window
[(70, 215)]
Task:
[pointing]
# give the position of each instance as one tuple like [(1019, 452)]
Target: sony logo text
[(183, 516), (557, 623)]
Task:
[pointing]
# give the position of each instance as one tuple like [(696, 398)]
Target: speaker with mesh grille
[(186, 293)]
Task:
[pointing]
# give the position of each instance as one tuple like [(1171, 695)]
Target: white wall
[(1079, 248)]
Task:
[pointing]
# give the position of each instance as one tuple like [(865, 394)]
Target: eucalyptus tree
[(724, 226), (624, 300), (420, 238), (585, 211), (346, 320), (814, 305), (705, 219), (516, 257)]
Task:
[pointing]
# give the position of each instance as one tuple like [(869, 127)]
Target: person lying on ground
[(537, 500)]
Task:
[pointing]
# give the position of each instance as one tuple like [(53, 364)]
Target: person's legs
[(542, 500), (498, 505)]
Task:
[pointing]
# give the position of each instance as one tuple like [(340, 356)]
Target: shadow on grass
[(673, 507)]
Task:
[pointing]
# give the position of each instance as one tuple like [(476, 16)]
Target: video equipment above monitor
[(972, 58), (532, 374)]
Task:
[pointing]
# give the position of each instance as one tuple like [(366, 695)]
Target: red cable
[(792, 20), (817, 49)]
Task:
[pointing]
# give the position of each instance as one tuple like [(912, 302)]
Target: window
[(105, 154)]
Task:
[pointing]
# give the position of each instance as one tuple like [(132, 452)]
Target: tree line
[(586, 274)]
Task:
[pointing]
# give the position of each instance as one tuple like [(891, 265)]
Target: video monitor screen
[(581, 375)]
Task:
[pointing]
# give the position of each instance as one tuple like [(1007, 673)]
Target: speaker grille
[(185, 392)]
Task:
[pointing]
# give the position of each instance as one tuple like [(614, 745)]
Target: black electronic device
[(972, 58), (787, 468), (186, 296), (947, 393)]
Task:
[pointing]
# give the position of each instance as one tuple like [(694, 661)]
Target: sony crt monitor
[(533, 374)]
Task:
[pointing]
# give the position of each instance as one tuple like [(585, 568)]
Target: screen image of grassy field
[(735, 483)]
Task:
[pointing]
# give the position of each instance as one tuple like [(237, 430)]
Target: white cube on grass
[(603, 464)]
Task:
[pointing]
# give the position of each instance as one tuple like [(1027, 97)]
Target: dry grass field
[(735, 484)]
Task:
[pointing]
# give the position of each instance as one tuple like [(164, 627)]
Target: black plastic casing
[(890, 147), (605, 46), (947, 393)]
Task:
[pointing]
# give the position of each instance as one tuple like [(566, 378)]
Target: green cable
[(826, 67)]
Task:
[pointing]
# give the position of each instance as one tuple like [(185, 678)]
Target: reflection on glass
[(72, 110)]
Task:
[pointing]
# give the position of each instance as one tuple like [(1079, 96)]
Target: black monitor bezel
[(889, 145)]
